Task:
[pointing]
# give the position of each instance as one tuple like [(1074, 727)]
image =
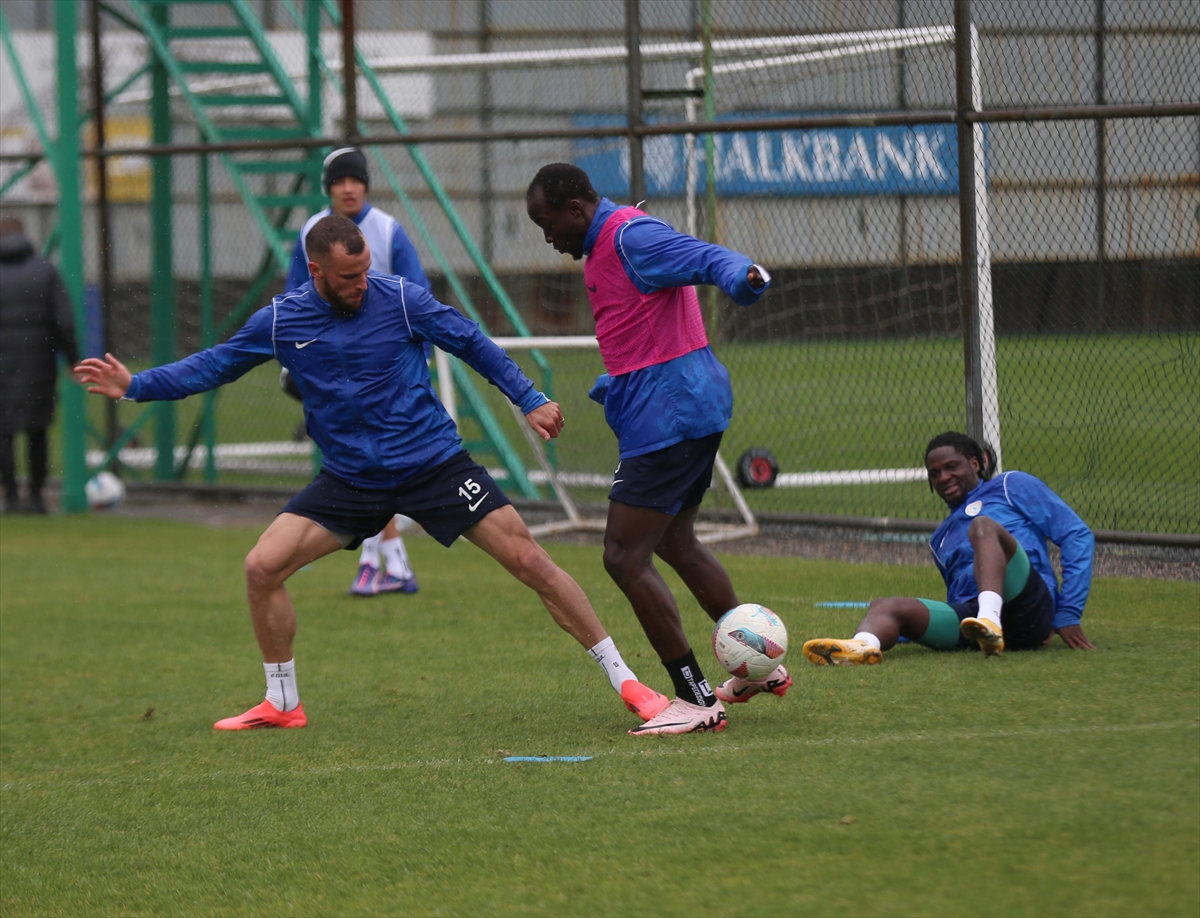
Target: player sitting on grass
[(668, 399), (383, 565), (1001, 591), (354, 344)]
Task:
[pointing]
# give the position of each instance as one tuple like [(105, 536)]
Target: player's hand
[(1074, 638), (755, 279), (546, 420), (104, 377)]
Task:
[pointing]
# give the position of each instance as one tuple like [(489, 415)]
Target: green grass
[(1057, 782), (1111, 423)]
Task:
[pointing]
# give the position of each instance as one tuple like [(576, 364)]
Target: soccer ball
[(750, 641), (104, 490)]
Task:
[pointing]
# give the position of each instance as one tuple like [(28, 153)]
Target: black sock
[(690, 684)]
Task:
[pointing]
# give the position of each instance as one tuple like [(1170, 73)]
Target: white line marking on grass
[(659, 747)]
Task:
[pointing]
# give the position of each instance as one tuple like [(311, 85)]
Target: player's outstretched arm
[(546, 420), (201, 372), (107, 376), (454, 333), (656, 256)]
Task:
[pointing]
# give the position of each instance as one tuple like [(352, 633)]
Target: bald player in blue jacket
[(383, 565), (1001, 590), (354, 342)]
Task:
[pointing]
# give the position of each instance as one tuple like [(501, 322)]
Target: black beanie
[(343, 162)]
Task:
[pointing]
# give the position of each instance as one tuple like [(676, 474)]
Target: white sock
[(281, 685), (396, 558), (868, 638), (989, 606), (370, 551), (609, 659)]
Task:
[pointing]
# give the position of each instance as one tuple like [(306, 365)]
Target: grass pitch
[(1055, 782)]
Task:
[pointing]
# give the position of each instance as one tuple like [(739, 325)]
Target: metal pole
[(162, 269), (1101, 171), (710, 115), (485, 149), (312, 28), (112, 430), (789, 123), (633, 100), (710, 156), (207, 337), (968, 279), (349, 73), (902, 100), (74, 499)]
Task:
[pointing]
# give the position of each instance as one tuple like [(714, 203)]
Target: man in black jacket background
[(36, 324)]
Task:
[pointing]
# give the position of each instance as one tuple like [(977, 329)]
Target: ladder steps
[(272, 165), (293, 200), (262, 132), (216, 100), (179, 32), (224, 67)]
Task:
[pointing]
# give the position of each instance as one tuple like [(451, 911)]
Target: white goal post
[(839, 46)]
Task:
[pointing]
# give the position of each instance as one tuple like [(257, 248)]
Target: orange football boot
[(643, 700), (264, 715)]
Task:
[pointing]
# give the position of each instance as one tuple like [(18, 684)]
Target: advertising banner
[(904, 160)]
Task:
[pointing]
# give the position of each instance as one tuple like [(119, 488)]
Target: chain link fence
[(855, 357)]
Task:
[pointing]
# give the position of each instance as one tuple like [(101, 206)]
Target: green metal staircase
[(212, 110)]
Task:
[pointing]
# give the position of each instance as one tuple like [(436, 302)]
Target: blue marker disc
[(548, 758)]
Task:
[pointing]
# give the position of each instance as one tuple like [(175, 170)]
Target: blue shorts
[(669, 480), (446, 501)]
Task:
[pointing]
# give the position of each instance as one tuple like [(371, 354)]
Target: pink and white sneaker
[(366, 581), (683, 717), (739, 691)]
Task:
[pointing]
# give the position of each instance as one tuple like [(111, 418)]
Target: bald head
[(10, 225)]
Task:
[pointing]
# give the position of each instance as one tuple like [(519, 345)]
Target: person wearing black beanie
[(345, 162)]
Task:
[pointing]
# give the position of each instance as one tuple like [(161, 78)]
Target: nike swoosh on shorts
[(305, 344), (472, 507)]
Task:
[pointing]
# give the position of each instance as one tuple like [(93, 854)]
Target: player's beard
[(340, 306)]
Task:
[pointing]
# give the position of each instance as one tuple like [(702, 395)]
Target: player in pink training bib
[(668, 399)]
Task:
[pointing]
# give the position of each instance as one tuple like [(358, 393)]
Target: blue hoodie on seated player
[(1001, 589)]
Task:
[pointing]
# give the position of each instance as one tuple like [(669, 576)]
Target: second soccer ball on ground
[(750, 641)]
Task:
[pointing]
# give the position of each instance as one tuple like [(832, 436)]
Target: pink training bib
[(636, 329)]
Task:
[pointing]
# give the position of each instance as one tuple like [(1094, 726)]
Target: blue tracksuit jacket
[(640, 406), (368, 400), (1033, 513)]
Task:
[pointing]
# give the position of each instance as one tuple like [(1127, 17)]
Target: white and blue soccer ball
[(104, 490), (749, 641)]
